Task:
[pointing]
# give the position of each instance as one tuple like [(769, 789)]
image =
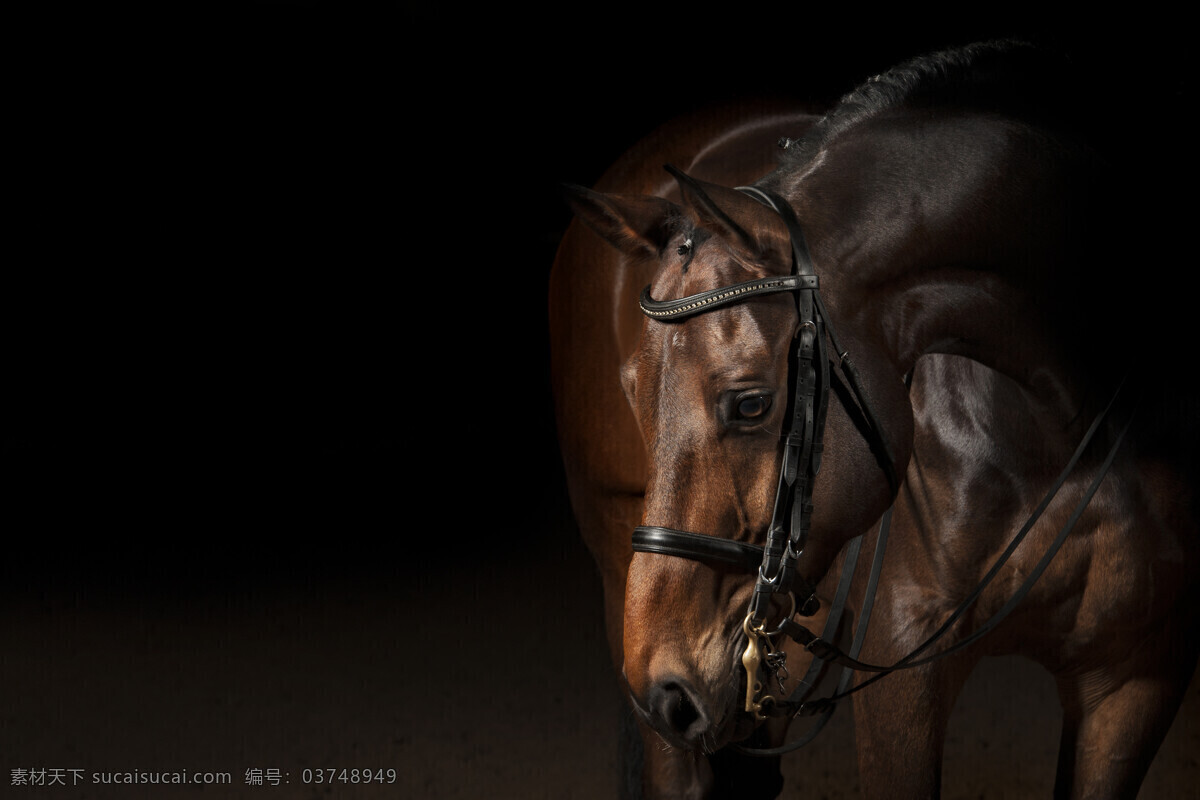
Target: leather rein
[(774, 564)]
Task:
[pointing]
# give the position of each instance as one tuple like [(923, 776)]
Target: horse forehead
[(721, 340), (739, 328)]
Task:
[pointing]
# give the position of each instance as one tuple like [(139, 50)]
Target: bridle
[(810, 378), (774, 565)]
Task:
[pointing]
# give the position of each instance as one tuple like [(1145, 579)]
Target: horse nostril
[(676, 708)]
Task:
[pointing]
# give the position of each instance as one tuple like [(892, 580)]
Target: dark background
[(388, 208), (286, 490)]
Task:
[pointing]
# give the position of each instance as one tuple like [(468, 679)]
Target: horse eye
[(753, 407)]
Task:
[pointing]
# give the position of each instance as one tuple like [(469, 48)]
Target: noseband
[(774, 565)]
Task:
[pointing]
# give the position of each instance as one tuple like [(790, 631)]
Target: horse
[(930, 323)]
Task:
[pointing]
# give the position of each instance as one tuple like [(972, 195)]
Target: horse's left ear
[(637, 225), (748, 225)]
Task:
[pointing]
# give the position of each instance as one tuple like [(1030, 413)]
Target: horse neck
[(966, 237)]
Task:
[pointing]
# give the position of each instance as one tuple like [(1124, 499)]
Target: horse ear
[(637, 225), (741, 220)]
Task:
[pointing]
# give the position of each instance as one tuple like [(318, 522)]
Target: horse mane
[(1009, 77)]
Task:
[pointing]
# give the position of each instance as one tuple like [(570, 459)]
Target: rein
[(774, 564)]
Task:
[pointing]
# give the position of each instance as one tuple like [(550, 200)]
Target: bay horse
[(928, 323)]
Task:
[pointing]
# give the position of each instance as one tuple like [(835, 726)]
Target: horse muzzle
[(688, 717)]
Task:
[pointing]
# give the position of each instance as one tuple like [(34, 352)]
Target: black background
[(417, 159), (310, 350), (339, 226), (380, 209)]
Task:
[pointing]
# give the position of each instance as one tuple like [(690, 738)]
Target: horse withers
[(911, 307)]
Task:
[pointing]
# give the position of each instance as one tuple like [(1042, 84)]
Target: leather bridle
[(774, 565)]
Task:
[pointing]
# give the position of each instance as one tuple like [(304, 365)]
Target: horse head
[(961, 209), (713, 386)]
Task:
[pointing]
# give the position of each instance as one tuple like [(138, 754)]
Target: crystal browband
[(706, 301)]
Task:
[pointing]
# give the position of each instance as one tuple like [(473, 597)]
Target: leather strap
[(712, 550), (792, 515), (718, 552), (793, 704), (684, 307), (796, 701), (877, 442)]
